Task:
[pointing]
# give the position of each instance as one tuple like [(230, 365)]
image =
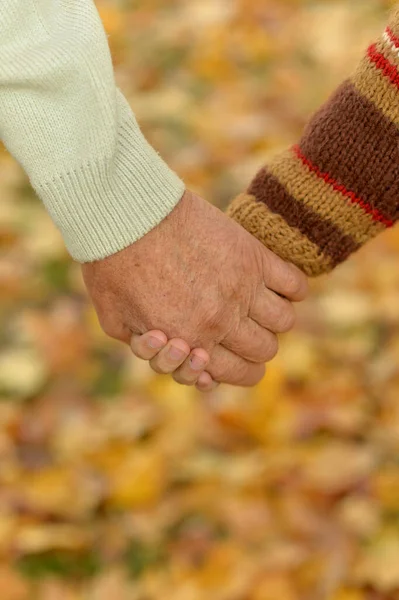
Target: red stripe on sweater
[(382, 63), (375, 214), (394, 39)]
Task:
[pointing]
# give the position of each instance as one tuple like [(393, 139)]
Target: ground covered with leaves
[(115, 483)]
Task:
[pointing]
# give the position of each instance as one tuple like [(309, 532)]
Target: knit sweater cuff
[(321, 200), (107, 203)]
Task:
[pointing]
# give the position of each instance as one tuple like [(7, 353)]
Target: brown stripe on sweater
[(354, 142), (372, 84), (328, 237), (273, 231), (319, 196)]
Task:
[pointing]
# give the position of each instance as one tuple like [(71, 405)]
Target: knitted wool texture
[(63, 118), (325, 197)]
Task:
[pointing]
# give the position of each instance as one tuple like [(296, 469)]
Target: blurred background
[(116, 483)]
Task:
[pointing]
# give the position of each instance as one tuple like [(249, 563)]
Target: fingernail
[(176, 353), (197, 363), (155, 343)]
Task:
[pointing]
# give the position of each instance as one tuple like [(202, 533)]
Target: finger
[(285, 279), (148, 345), (227, 367), (272, 312), (192, 367), (252, 342), (171, 357), (205, 383)]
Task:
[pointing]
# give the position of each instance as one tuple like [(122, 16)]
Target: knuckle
[(239, 371), (158, 367), (297, 282), (134, 346), (254, 375), (235, 373), (286, 318), (218, 318), (139, 353), (138, 350), (108, 328), (272, 349), (204, 386), (222, 370), (182, 379), (258, 375), (260, 348), (292, 280), (212, 324)]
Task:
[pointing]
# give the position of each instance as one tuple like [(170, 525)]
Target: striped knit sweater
[(322, 199)]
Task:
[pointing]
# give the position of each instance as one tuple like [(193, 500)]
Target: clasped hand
[(198, 296)]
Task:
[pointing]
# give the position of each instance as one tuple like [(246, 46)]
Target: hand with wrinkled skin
[(168, 356), (200, 277)]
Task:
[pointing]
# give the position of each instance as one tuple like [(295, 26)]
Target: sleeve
[(338, 187), (73, 132)]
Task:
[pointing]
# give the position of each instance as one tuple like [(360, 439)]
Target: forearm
[(320, 201), (73, 132)]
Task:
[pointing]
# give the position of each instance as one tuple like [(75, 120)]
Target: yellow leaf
[(386, 487), (42, 537), (53, 490), (348, 594), (138, 480), (378, 566), (273, 587), (12, 586), (22, 371), (262, 401), (337, 466)]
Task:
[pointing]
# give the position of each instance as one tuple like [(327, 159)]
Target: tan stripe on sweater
[(272, 230), (373, 85), (318, 195)]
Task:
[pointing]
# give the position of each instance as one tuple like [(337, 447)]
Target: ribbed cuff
[(108, 203)]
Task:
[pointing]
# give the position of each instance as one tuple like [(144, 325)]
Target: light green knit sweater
[(73, 132)]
